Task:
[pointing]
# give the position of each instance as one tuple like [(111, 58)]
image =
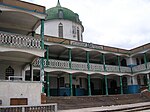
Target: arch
[(110, 74), (97, 75), (123, 62), (57, 46), (39, 53), (60, 30), (78, 49)]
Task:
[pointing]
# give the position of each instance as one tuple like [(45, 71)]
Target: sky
[(117, 23)]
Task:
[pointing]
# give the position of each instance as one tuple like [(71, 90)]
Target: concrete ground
[(107, 108)]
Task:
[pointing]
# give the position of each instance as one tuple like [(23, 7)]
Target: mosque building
[(56, 61), (77, 68)]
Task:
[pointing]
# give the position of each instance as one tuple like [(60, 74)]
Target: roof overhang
[(20, 17)]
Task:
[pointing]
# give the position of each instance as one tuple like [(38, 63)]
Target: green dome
[(59, 12)]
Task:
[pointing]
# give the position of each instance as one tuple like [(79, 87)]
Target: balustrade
[(139, 68), (111, 68), (82, 66), (125, 69), (41, 108), (79, 66), (58, 64), (96, 67), (19, 40)]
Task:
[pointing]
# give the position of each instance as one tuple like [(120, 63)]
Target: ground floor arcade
[(60, 83)]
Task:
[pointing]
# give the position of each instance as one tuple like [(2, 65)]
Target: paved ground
[(107, 108)]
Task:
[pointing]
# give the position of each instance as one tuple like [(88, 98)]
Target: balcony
[(140, 68), (82, 66), (18, 40)]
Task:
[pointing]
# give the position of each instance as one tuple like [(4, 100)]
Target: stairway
[(76, 102)]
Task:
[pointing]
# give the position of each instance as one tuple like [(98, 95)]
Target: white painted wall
[(131, 61), (51, 28), (134, 80), (14, 89)]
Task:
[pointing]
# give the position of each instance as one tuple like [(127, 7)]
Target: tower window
[(78, 34), (60, 14), (60, 30), (73, 29)]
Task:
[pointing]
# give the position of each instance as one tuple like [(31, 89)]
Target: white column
[(31, 70), (134, 79), (23, 74)]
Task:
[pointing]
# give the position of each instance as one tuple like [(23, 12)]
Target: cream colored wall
[(14, 89), (51, 28)]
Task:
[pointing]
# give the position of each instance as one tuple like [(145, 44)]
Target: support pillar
[(106, 85), (145, 60), (103, 56), (101, 80), (58, 84), (47, 55), (88, 59), (48, 84), (33, 33), (70, 56), (148, 82), (42, 58), (70, 79), (118, 58), (89, 85), (121, 86), (31, 72)]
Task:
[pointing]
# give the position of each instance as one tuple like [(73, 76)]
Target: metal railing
[(40, 108)]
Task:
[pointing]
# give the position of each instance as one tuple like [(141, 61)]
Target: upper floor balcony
[(81, 66), (141, 68), (19, 41)]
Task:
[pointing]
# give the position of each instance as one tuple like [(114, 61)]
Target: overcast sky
[(117, 23)]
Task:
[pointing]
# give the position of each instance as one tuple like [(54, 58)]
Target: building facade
[(77, 68), (18, 49), (64, 65)]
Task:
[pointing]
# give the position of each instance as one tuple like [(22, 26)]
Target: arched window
[(123, 62), (78, 34), (9, 72), (60, 30), (60, 14)]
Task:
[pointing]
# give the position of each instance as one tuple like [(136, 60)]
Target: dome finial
[(58, 4)]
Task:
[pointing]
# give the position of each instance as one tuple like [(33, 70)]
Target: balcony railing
[(79, 66), (18, 40), (111, 68), (82, 66), (139, 68), (96, 67), (40, 108), (125, 69)]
